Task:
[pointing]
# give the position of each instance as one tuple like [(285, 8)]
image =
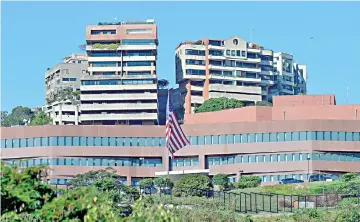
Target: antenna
[(251, 34)]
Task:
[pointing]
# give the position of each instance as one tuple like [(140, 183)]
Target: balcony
[(139, 58), (119, 106), (217, 57), (137, 47), (265, 62), (105, 59), (216, 47), (117, 87), (104, 69), (286, 82), (236, 89), (127, 116), (197, 88), (241, 97), (252, 60), (120, 96), (194, 57), (97, 77), (287, 74), (268, 73), (139, 68), (197, 99)]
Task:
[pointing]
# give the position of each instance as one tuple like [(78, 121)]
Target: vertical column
[(207, 72), (188, 98), (77, 114), (128, 180), (202, 162), (60, 114)]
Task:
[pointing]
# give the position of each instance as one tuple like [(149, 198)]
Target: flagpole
[(168, 151)]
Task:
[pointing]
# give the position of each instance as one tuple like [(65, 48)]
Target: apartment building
[(65, 74), (234, 68), (121, 87), (63, 112)]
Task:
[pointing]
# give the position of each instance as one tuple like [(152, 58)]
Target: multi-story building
[(121, 87), (63, 113), (234, 68), (65, 74), (298, 136)]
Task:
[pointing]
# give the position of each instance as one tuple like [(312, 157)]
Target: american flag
[(175, 137)]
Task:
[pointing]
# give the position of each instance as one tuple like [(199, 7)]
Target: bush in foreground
[(221, 180), (192, 185), (248, 182)]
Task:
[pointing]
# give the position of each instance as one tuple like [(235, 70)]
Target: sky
[(37, 35)]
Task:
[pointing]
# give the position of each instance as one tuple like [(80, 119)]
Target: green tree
[(41, 119), (23, 189), (145, 183), (106, 181), (221, 180), (3, 119), (263, 103), (163, 182), (146, 210), (217, 104), (192, 185), (63, 94), (248, 182), (19, 116)]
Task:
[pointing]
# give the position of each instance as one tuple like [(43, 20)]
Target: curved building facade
[(271, 149)]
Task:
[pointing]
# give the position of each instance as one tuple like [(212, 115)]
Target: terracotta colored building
[(298, 136)]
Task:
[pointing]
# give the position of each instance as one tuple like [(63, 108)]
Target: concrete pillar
[(128, 180), (76, 114), (60, 114)]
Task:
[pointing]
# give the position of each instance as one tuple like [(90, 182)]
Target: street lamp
[(240, 172)]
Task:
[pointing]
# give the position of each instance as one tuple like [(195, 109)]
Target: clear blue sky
[(36, 35)]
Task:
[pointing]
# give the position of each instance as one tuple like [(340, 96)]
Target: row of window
[(113, 64), (275, 178), (236, 53), (195, 52), (138, 42), (194, 140), (139, 73), (104, 32), (195, 72), (69, 79), (133, 161), (125, 53), (117, 82), (195, 62), (180, 162), (235, 159)]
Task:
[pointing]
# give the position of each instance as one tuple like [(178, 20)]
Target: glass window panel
[(45, 141), (311, 135), (195, 162), (222, 139), (259, 137), (68, 141), (37, 141), (119, 141), (134, 141), (237, 138), (215, 139), (141, 141), (16, 143), (335, 136), (231, 160), (201, 140), (251, 138), (97, 141), (238, 159), (356, 136), (8, 143), (76, 141), (273, 137), (61, 141), (91, 141), (97, 162), (295, 136), (216, 160), (149, 141), (104, 141), (193, 140), (156, 141), (208, 140), (288, 136), (302, 136), (230, 138), (244, 138), (90, 162), (61, 161), (105, 162), (188, 162), (282, 157), (319, 135), (327, 135), (3, 143), (127, 141), (162, 141), (68, 161), (53, 141), (266, 137), (112, 141), (281, 137), (348, 136), (83, 141)]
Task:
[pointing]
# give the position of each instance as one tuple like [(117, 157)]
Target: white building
[(234, 68), (121, 87)]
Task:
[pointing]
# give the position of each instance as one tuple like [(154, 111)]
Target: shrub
[(163, 182), (192, 185), (221, 180), (348, 213), (309, 215), (248, 182), (148, 182), (348, 177), (285, 203)]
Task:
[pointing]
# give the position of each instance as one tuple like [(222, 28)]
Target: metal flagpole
[(167, 146)]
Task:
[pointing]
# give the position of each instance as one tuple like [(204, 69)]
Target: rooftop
[(133, 22)]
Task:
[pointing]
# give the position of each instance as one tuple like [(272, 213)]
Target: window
[(195, 72), (138, 31), (194, 52), (233, 52), (139, 63), (195, 62), (238, 53), (139, 42), (228, 52)]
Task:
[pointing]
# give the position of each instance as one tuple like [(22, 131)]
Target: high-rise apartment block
[(121, 87), (234, 68), (65, 74)]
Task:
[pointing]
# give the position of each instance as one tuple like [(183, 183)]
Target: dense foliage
[(248, 182), (221, 180), (19, 116), (63, 94), (41, 119), (189, 185), (145, 183), (217, 104), (163, 182)]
